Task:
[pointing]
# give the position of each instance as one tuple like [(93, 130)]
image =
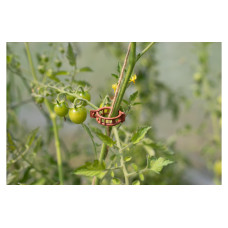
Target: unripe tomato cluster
[(78, 113)]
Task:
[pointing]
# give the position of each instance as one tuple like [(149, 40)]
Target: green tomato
[(61, 109), (85, 95), (70, 98), (39, 100), (78, 115)]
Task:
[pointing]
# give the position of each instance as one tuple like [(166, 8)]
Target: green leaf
[(141, 177), (157, 165), (82, 83), (133, 96), (112, 174), (54, 78), (92, 169), (95, 129), (40, 181), (85, 69), (70, 55), (137, 103), (136, 182), (31, 136), (127, 158), (113, 157), (38, 144), (149, 150), (135, 167), (9, 59), (125, 101), (148, 146), (119, 68), (115, 181), (91, 136), (158, 146), (61, 73), (105, 139), (148, 141), (10, 143), (115, 76), (140, 134)]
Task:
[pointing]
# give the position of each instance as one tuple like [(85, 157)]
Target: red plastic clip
[(101, 113)]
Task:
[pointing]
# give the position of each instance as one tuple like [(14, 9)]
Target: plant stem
[(57, 142), (119, 98), (101, 158), (52, 116), (126, 79), (91, 137), (121, 156), (30, 61), (144, 51), (120, 80)]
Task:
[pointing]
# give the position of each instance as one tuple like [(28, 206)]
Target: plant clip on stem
[(101, 113)]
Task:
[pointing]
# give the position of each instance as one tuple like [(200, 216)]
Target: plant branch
[(120, 79), (67, 92), (122, 86), (30, 62), (57, 142), (119, 96), (125, 82), (144, 51), (52, 116), (121, 156)]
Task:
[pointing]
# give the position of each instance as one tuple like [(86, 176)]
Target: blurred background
[(180, 94)]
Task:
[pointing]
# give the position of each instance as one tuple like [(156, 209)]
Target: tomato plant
[(128, 153)]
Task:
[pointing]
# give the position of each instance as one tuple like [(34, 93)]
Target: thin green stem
[(57, 142), (144, 51), (121, 156), (136, 173), (91, 137), (123, 148), (101, 158), (30, 61)]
